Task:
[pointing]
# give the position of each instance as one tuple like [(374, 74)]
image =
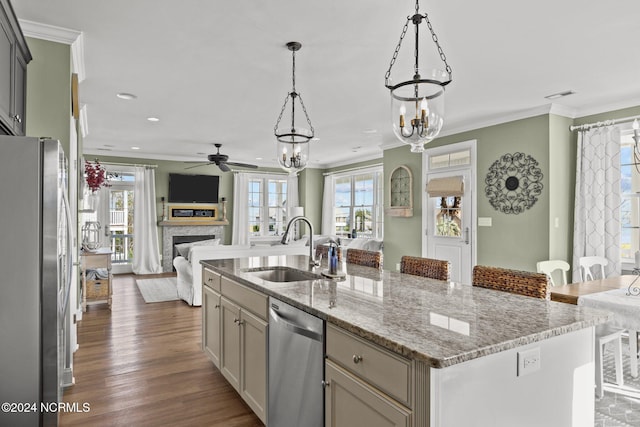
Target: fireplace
[(198, 231), (176, 240)]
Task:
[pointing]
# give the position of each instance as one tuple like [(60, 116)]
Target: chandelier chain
[(443, 57), (395, 53), (284, 106), (306, 115), (293, 71)]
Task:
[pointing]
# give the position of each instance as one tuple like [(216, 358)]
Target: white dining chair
[(587, 262), (606, 334), (548, 267)]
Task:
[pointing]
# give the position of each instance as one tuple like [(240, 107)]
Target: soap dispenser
[(333, 258)]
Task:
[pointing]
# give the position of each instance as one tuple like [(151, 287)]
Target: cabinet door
[(349, 402), (211, 324), (254, 363), (19, 96), (6, 80), (230, 340)]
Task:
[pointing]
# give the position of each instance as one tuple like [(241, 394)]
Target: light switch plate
[(484, 221), (528, 361)]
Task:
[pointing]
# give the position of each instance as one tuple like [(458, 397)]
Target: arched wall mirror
[(400, 192)]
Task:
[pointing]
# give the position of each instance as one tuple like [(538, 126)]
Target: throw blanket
[(97, 274)]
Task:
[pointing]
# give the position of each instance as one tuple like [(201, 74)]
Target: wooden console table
[(97, 289)]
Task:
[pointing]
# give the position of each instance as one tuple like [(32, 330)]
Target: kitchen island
[(466, 356)]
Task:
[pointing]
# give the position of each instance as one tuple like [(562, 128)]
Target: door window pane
[(448, 217)]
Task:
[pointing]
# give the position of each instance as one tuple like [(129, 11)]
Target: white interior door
[(449, 220)]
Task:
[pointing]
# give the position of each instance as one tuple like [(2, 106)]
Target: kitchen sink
[(282, 274)]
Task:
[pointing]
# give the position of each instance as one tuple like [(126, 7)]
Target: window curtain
[(240, 229), (328, 202), (597, 202), (146, 252)]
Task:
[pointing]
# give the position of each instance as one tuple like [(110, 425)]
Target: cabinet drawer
[(211, 279), (247, 298), (385, 370)]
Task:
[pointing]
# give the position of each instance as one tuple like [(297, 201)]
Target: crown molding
[(62, 35), (607, 108)]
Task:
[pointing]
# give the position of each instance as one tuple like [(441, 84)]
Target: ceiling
[(219, 71)]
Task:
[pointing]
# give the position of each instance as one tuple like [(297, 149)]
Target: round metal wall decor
[(514, 183)]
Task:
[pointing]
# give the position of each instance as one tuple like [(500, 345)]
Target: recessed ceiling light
[(370, 131), (315, 139), (258, 158), (560, 94), (153, 119), (125, 95), (135, 148), (109, 145)]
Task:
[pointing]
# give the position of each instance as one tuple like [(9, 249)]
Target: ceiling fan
[(220, 160)]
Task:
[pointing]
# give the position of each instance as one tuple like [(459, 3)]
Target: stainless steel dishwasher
[(296, 367)]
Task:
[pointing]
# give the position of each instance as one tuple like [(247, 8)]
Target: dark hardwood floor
[(141, 365)]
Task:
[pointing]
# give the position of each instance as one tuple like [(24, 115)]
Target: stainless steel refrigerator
[(35, 276)]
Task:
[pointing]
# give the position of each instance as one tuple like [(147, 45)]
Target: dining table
[(619, 295)]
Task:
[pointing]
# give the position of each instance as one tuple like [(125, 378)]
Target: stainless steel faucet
[(285, 238)]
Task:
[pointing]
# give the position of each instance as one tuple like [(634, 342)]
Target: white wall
[(488, 392)]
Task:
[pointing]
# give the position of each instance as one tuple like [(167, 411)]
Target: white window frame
[(628, 262), (377, 214), (264, 233)]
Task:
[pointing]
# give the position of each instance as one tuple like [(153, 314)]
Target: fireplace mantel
[(179, 223)]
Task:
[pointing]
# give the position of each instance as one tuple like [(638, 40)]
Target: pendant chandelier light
[(417, 105), (293, 142)]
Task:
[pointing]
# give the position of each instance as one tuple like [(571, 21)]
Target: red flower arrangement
[(96, 176)]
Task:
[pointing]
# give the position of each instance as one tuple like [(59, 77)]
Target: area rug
[(617, 410), (159, 289)]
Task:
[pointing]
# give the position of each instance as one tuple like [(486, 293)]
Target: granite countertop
[(436, 322)]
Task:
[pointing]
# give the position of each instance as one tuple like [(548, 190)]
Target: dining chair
[(606, 334), (324, 251), (364, 257), (548, 267), (586, 262), (426, 267), (515, 281)]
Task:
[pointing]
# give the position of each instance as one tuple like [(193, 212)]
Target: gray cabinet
[(14, 57)]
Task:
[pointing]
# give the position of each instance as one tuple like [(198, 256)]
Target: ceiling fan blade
[(197, 166), (242, 165), (223, 167)]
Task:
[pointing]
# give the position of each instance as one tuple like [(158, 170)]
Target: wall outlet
[(398, 266), (528, 361)]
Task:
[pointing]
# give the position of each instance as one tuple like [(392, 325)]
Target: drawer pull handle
[(357, 359), (236, 320), (210, 279), (216, 306)]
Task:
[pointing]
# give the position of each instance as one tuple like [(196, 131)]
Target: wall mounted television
[(193, 188)]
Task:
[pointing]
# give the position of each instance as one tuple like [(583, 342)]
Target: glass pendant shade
[(417, 110), (292, 157)]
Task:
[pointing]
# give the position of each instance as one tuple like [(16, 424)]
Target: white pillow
[(357, 243)]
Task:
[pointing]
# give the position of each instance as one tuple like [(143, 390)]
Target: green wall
[(513, 241), (49, 91), (165, 167), (402, 236)]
